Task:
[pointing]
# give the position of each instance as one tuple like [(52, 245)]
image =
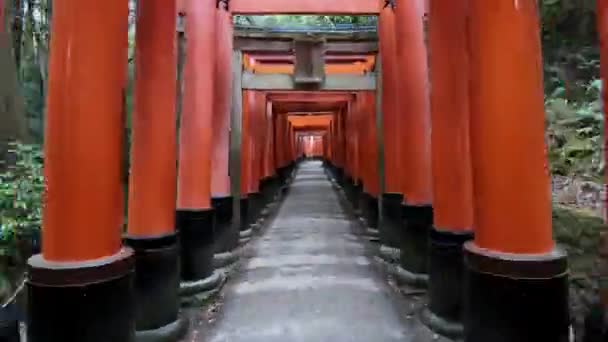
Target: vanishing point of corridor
[(308, 277)]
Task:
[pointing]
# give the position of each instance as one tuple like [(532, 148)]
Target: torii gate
[(515, 274)]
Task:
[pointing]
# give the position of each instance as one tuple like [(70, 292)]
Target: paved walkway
[(308, 278)]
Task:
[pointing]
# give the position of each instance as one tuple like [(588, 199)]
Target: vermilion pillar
[(267, 182), (257, 106), (83, 267), (412, 74), (369, 159), (452, 177), (246, 146), (226, 234), (516, 278), (152, 183), (195, 216), (390, 226)]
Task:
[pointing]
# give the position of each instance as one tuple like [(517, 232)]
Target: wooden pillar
[(391, 223), (152, 184), (513, 253), (256, 111), (221, 199), (268, 183), (246, 158), (451, 158), (83, 267), (195, 215), (416, 134), (368, 154)]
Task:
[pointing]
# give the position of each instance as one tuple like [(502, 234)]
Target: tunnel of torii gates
[(253, 104)]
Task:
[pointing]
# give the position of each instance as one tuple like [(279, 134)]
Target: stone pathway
[(308, 278)]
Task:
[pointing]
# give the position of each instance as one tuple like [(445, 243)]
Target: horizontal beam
[(269, 45), (310, 97), (285, 82), (333, 7)]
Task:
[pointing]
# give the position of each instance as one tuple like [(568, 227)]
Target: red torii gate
[(88, 271)]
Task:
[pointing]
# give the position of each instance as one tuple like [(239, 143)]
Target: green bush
[(574, 132), (21, 190)]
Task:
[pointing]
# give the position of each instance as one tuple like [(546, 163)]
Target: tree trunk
[(12, 114), (18, 22)]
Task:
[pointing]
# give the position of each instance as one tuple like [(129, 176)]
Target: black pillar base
[(362, 204), (196, 230), (349, 188), (244, 213), (356, 195), (81, 302), (511, 297), (156, 280), (171, 332), (268, 188), (256, 204), (414, 245), (391, 223), (282, 175), (371, 211), (340, 176), (226, 234), (445, 280)]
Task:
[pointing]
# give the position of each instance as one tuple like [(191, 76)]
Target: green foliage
[(295, 21), (574, 133), (21, 189)]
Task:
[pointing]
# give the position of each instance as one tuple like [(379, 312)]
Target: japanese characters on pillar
[(513, 252), (82, 216)]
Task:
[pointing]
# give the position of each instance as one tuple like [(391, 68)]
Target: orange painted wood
[(220, 179), (451, 149), (356, 68), (345, 7), (602, 22), (246, 144), (371, 141), (82, 215), (355, 138), (196, 133), (390, 108), (310, 120), (507, 128), (257, 112), (279, 128), (414, 103), (269, 148), (152, 185), (290, 58), (307, 97)]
